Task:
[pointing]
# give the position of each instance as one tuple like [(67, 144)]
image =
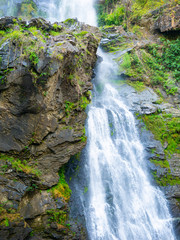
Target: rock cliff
[(45, 78)]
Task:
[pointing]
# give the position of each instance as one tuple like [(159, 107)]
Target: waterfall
[(120, 203), (81, 9)]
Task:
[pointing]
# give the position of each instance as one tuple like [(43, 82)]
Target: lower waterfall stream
[(120, 202)]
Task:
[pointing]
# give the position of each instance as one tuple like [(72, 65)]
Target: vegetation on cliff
[(150, 59), (125, 13), (156, 64), (44, 82)]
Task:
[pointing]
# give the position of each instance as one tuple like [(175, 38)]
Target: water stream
[(119, 202)]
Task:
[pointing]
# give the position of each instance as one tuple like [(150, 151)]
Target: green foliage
[(33, 58), (165, 129), (58, 216), (138, 86), (166, 179), (70, 21), (158, 65), (83, 102), (163, 164), (15, 35), (32, 188), (61, 190), (54, 33), (85, 189), (142, 7), (103, 10), (57, 27), (116, 17), (80, 34), (126, 62), (18, 165), (2, 33), (8, 215), (169, 57), (69, 106), (83, 137)]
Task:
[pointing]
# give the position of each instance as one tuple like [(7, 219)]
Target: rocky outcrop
[(169, 20), (164, 19), (45, 76)]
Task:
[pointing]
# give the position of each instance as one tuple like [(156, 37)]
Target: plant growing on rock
[(18, 165), (61, 190)]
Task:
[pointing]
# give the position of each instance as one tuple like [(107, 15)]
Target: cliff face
[(147, 55), (45, 76)]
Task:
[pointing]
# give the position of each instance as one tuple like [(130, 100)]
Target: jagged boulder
[(169, 20)]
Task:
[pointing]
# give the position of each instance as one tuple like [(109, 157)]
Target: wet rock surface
[(145, 103)]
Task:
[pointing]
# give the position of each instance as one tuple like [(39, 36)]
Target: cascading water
[(120, 203), (81, 9)]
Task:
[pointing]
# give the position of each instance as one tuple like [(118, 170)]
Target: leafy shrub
[(116, 17), (62, 190), (33, 58)]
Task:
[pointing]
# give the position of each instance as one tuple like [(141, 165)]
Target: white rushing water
[(121, 204), (60, 10)]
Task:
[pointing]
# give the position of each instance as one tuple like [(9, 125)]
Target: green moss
[(138, 86), (18, 165), (70, 21), (166, 179), (83, 137), (8, 215), (80, 34), (163, 164), (165, 129), (58, 216)]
